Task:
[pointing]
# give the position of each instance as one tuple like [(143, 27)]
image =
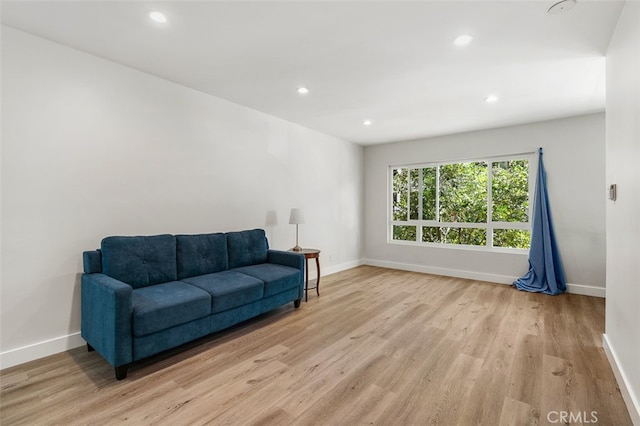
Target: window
[(478, 203)]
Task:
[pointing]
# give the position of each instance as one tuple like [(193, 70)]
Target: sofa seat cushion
[(228, 289), (161, 306), (277, 278)]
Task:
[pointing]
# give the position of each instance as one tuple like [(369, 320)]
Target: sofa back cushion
[(140, 261), (201, 254), (247, 248)]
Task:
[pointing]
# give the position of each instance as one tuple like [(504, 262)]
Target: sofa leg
[(296, 303), (90, 348), (121, 372)]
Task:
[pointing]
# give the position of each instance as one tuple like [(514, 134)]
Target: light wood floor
[(377, 347)]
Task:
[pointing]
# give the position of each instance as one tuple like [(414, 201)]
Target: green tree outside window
[(458, 193)]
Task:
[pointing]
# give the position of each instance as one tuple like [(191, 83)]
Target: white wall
[(622, 338), (574, 160), (91, 148)]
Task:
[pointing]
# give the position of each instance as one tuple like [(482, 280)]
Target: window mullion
[(489, 205), (420, 201), (408, 194), (391, 205), (437, 193), (420, 191)]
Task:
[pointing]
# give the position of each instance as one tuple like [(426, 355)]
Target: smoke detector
[(561, 7)]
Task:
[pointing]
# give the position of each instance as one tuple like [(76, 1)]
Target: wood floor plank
[(378, 347), (451, 395), (518, 413), (525, 381), (487, 401), (325, 378), (559, 384)]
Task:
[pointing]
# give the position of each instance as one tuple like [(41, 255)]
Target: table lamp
[(296, 218)]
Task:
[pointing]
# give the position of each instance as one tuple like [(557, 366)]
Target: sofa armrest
[(286, 258), (292, 259), (107, 306), (92, 261)]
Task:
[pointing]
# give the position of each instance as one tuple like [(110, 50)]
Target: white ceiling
[(391, 62)]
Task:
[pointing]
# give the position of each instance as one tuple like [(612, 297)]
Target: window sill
[(502, 250)]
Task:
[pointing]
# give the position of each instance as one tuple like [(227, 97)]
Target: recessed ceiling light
[(367, 123), (158, 17), (491, 99), (303, 90), (561, 7), (463, 40)]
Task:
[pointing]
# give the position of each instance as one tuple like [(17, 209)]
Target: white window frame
[(489, 226)]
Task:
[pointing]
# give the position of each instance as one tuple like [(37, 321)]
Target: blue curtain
[(546, 274)]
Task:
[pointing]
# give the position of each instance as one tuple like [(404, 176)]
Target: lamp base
[(296, 248)]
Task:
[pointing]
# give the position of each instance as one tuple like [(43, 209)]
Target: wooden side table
[(310, 254)]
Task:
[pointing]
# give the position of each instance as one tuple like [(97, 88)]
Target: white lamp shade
[(296, 217)]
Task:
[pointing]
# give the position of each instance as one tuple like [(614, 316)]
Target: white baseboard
[(587, 290), (633, 404), (38, 350), (458, 273), (338, 268), (480, 276)]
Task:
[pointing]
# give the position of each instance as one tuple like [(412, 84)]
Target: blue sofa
[(146, 294)]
